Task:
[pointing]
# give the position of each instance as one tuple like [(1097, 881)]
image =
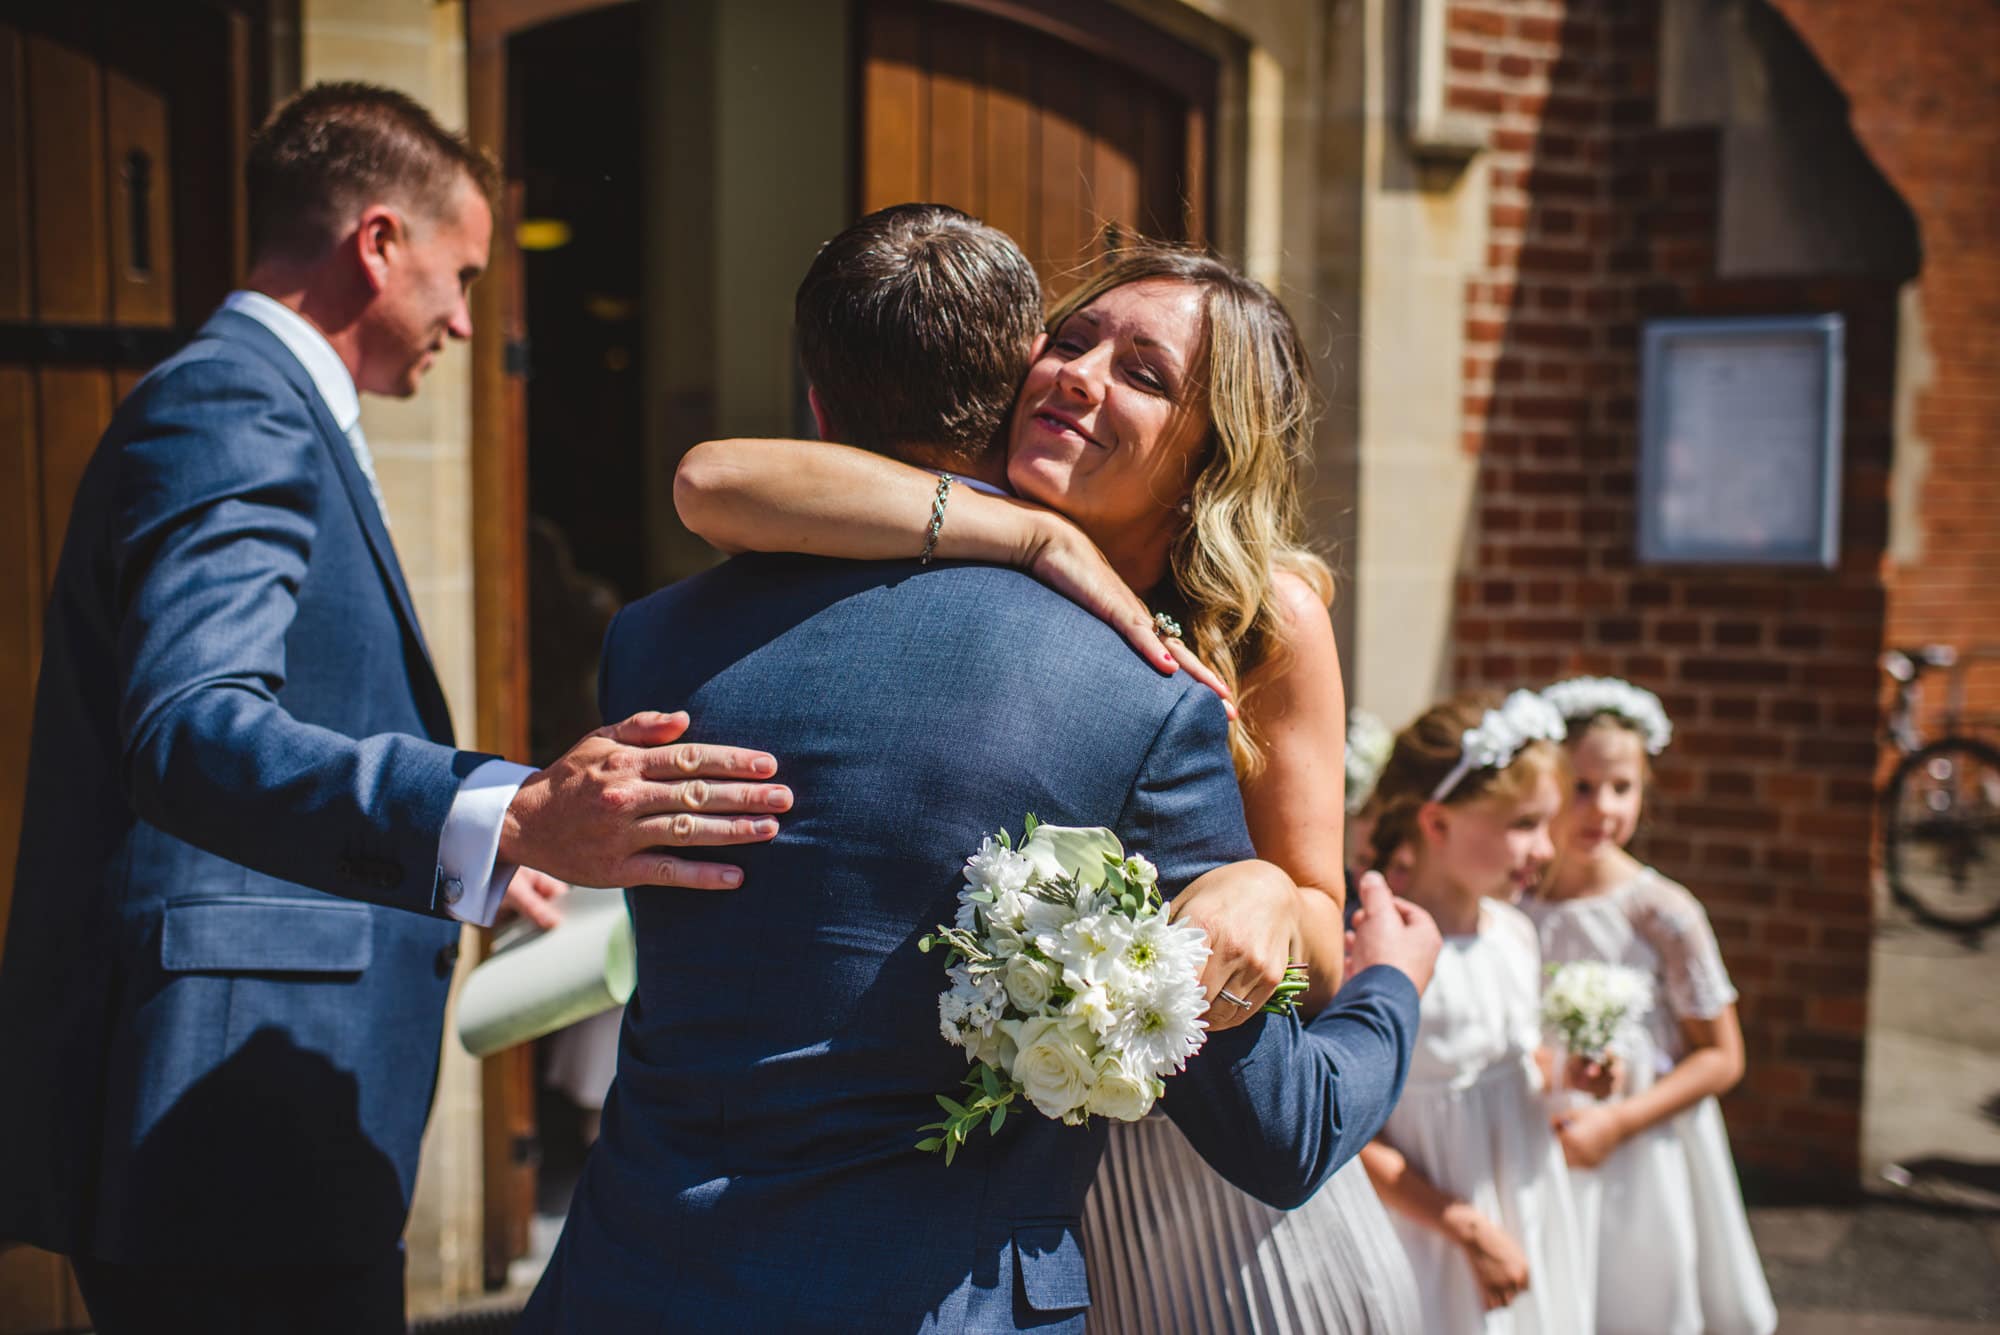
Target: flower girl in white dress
[(1467, 1164), (1655, 1178)]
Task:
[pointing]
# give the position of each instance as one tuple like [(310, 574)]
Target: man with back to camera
[(220, 1040), (754, 1169)]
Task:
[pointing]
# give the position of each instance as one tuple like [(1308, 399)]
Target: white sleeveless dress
[(1674, 1248), (1472, 1120), (1171, 1247)]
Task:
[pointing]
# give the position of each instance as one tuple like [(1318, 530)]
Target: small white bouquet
[(1069, 986), (1588, 1004)]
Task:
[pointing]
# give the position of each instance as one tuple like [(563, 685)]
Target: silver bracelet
[(937, 517)]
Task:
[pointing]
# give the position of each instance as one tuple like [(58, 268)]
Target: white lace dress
[(1172, 1248), (1675, 1255), (1473, 1122)]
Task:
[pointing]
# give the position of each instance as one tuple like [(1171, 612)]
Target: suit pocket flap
[(252, 934), (1050, 1258)]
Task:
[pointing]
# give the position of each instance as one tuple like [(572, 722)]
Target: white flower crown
[(1522, 718), (1582, 698), (1369, 743)]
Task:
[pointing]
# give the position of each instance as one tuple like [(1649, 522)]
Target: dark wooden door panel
[(16, 290), (66, 174), (1017, 113), (137, 168)]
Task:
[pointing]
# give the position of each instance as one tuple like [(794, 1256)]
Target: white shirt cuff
[(471, 879)]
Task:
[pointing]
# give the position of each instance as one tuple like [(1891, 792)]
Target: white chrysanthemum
[(1581, 699), (1158, 1030), (1155, 951), (996, 867)]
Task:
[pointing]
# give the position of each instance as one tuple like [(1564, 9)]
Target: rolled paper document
[(583, 965)]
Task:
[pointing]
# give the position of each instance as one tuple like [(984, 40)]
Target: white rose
[(1029, 982), (1053, 1063), (1120, 1095)]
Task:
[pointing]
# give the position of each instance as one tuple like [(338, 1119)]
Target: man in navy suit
[(249, 841), (755, 1168)]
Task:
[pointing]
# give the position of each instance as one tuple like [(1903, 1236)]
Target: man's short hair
[(914, 327), (335, 148)]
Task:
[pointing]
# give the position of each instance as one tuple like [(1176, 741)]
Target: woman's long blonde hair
[(1245, 519)]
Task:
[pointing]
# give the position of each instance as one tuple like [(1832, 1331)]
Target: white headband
[(1522, 718), (1583, 698)]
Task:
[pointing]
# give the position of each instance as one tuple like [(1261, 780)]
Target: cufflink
[(454, 890)]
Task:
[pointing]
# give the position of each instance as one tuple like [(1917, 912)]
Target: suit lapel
[(231, 325)]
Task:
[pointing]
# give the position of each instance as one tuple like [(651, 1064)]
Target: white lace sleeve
[(1692, 975)]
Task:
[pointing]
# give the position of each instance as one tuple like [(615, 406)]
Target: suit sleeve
[(214, 530), (1274, 1105)]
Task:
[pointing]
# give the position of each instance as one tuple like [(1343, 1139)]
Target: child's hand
[(1498, 1263), (1599, 1079), (1589, 1134)]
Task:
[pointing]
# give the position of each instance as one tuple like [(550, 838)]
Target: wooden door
[(1064, 125), (86, 287), (100, 108)]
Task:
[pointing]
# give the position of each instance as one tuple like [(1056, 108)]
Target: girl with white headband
[(1654, 1180), (1467, 1164)]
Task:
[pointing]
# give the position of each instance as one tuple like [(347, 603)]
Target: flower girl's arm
[(1713, 1065), (822, 499), (1497, 1261)]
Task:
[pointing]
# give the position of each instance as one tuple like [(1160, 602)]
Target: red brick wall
[(1926, 107), (1600, 220)]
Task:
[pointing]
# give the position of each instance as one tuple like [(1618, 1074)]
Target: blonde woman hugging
[(1152, 451)]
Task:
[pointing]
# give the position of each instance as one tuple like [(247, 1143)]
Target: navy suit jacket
[(756, 1168), (214, 1047)]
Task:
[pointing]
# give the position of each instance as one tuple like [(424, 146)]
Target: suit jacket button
[(447, 959)]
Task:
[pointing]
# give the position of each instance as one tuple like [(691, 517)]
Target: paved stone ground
[(1921, 1254), (1882, 1267)]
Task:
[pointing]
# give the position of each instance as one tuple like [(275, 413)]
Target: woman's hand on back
[(1062, 557)]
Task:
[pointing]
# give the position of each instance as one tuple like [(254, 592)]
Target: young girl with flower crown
[(1467, 1164), (1655, 1183)]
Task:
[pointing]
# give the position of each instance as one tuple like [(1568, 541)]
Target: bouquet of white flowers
[(1069, 986), (1588, 1003)]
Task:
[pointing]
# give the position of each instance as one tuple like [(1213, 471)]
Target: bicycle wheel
[(1941, 841)]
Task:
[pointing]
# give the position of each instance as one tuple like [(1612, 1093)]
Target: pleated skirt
[(1172, 1248)]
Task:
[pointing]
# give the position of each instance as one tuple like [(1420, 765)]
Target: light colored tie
[(359, 444)]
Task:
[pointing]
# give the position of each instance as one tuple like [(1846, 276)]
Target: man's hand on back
[(1392, 931), (606, 812)]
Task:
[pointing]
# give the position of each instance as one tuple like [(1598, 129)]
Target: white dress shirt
[(469, 847)]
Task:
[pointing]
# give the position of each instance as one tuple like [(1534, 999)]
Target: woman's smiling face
[(1111, 420)]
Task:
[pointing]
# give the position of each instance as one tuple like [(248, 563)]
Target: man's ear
[(1035, 348), (821, 422), (376, 236)]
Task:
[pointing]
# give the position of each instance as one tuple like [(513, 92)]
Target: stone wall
[(422, 450)]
